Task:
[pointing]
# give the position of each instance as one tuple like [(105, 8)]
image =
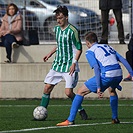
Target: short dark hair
[(91, 37), (61, 9), (15, 7)]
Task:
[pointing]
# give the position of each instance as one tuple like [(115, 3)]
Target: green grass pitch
[(16, 116)]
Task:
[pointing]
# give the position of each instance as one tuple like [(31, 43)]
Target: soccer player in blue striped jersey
[(108, 74), (65, 65)]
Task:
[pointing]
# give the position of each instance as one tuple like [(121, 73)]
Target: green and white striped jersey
[(68, 42)]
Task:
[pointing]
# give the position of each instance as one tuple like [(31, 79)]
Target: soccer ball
[(40, 113)]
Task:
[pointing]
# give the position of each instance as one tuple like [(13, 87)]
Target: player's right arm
[(49, 54), (76, 58), (97, 76), (94, 65)]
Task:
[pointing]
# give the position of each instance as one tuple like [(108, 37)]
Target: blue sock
[(114, 106), (80, 107), (74, 108)]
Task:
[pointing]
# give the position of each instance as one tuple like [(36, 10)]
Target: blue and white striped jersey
[(106, 58)]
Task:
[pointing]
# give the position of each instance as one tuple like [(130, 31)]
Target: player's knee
[(48, 89), (69, 93), (112, 92), (83, 91)]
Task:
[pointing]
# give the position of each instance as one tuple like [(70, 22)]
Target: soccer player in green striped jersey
[(65, 65)]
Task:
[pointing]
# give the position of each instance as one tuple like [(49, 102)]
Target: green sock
[(45, 100), (80, 107)]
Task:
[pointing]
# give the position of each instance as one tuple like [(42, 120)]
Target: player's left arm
[(77, 56), (125, 63), (72, 68), (78, 46)]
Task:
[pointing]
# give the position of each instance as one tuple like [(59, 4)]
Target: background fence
[(38, 14)]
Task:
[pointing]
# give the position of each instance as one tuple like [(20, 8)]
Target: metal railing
[(39, 16)]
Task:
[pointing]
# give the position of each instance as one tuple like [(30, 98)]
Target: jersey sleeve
[(125, 63), (76, 39), (93, 63), (55, 29), (97, 75), (91, 58)]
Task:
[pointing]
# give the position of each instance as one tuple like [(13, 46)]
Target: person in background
[(129, 57), (11, 31), (105, 6), (65, 65), (108, 75)]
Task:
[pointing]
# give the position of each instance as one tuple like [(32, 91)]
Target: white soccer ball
[(40, 113)]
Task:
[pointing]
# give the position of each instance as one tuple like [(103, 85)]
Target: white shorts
[(54, 78)]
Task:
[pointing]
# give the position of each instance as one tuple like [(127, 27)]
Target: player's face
[(62, 20)]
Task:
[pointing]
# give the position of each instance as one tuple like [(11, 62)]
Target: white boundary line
[(55, 127), (90, 105)]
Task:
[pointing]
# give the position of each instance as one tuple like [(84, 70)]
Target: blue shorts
[(105, 83)]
